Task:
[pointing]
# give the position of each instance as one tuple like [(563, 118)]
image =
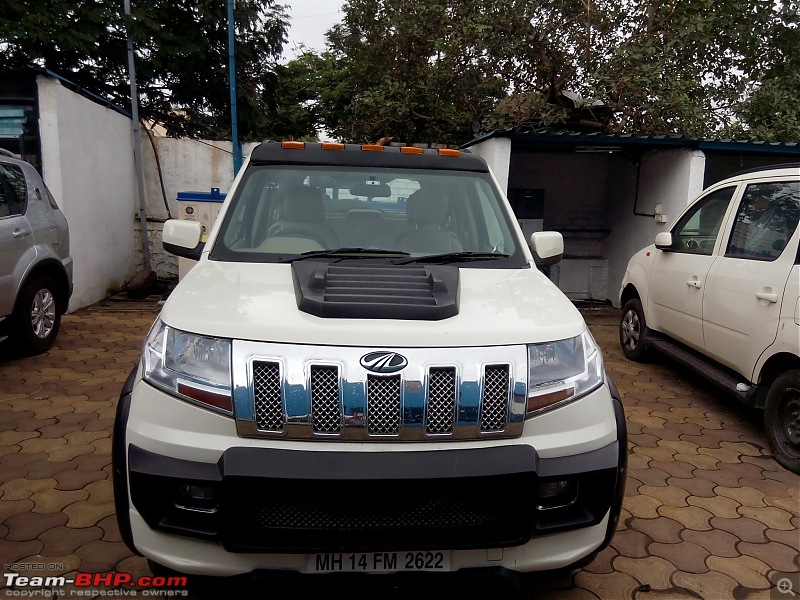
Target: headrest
[(426, 208), (303, 204)]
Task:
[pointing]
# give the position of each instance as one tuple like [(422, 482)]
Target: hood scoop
[(407, 292)]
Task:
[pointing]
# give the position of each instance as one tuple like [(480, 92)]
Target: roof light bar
[(411, 150), (372, 147), (449, 152), (293, 145)]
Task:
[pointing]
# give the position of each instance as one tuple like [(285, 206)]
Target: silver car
[(35, 265)]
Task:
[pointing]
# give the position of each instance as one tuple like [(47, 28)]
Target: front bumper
[(274, 503)]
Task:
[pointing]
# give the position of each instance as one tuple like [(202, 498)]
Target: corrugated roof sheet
[(544, 139)]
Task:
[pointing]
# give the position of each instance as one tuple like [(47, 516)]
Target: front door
[(678, 275), (742, 303)]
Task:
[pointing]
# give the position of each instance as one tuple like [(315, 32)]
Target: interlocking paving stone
[(55, 500), (608, 585), (631, 543), (21, 489), (650, 476), (695, 486), (602, 564), (25, 526), (46, 469), (77, 479), (778, 556), (652, 570), (667, 495), (685, 556), (745, 496), (772, 517), (661, 529), (643, 506), (720, 506), (65, 540), (691, 517), (748, 571), (98, 556), (743, 528), (676, 468), (709, 586), (716, 541), (11, 552)]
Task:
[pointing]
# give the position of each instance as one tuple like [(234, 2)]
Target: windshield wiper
[(347, 252), (452, 257)]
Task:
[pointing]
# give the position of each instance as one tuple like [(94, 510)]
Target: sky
[(310, 20)]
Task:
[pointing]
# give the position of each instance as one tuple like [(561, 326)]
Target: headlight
[(193, 367), (562, 370)]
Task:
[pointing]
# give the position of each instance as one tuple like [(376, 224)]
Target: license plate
[(379, 562)]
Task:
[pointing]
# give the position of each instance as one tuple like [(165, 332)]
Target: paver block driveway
[(708, 513)]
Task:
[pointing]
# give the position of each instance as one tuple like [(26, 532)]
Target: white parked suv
[(720, 293), (367, 372)]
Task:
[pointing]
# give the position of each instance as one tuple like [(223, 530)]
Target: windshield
[(281, 213)]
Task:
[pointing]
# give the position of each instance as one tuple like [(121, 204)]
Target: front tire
[(782, 419), (37, 317), (633, 331)]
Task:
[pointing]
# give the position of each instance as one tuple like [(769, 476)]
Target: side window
[(12, 190), (696, 232), (765, 221)]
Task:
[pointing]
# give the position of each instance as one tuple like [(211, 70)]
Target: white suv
[(720, 293), (366, 371)]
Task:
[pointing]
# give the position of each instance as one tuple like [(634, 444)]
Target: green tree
[(181, 56), (443, 70)]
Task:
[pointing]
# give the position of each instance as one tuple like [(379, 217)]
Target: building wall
[(185, 165), (497, 153), (87, 162), (671, 178)]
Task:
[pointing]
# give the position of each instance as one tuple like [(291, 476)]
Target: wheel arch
[(774, 366), (629, 292), (54, 269)]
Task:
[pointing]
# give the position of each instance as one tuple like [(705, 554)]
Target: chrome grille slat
[(326, 413), (267, 392), (383, 405), (494, 409), (441, 405)]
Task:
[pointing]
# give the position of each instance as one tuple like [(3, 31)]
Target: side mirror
[(183, 238), (548, 247), (664, 240)]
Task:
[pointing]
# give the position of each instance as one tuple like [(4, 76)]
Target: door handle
[(768, 297), (694, 283), (20, 233)]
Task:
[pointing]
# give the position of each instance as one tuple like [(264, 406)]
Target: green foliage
[(181, 56), (443, 70)]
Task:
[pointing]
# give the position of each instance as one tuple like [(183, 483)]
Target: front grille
[(441, 405), (495, 398), (308, 516), (383, 401), (334, 393), (326, 415), (267, 392)]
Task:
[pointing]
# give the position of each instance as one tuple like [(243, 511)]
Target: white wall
[(87, 162), (671, 178), (497, 153), (186, 166)]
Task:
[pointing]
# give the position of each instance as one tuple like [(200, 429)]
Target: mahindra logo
[(383, 362)]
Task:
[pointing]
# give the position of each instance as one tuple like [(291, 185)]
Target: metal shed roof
[(597, 142)]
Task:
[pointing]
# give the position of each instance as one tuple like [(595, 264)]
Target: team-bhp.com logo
[(109, 584)]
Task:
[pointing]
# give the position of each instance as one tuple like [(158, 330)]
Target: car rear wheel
[(782, 419), (37, 318), (633, 331)]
